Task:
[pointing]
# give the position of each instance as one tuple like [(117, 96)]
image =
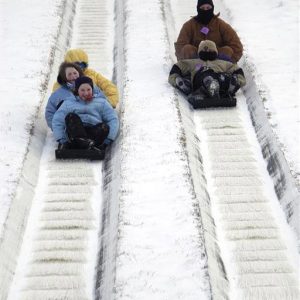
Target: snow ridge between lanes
[(160, 250)]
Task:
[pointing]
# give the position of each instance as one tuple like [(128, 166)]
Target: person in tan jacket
[(207, 75), (80, 57), (208, 26)]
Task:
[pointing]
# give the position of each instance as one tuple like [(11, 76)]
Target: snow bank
[(20, 204)]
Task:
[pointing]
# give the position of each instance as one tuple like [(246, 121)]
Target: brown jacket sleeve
[(231, 40), (184, 38)]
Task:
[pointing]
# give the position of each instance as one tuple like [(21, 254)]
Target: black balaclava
[(204, 16)]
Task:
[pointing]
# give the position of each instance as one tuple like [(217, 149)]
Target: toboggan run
[(77, 203)]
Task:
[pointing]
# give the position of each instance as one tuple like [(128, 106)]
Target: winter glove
[(106, 143), (63, 146), (234, 85), (184, 85), (224, 57)]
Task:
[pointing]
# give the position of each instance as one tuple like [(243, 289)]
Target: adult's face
[(205, 7), (71, 74)]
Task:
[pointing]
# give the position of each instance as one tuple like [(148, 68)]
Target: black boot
[(83, 143)]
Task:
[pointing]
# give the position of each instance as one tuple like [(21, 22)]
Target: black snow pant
[(200, 76), (76, 129)]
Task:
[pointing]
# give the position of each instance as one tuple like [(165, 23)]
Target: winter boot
[(83, 143), (212, 86), (196, 98)]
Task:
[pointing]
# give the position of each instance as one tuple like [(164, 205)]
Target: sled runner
[(91, 154), (202, 101)]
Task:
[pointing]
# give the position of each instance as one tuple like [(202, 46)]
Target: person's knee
[(189, 51), (73, 123), (226, 50), (71, 117)]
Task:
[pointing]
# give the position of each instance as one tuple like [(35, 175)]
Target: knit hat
[(81, 80), (201, 2), (207, 46)]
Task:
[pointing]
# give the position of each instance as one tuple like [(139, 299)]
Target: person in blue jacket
[(67, 74), (86, 120)]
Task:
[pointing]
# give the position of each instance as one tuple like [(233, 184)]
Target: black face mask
[(204, 16), (204, 55)]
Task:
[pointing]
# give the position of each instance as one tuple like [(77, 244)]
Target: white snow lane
[(59, 255), (256, 243)]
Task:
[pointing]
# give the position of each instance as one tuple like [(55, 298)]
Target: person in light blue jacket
[(86, 120), (68, 73)]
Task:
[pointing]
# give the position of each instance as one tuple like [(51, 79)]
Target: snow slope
[(28, 33), (159, 226)]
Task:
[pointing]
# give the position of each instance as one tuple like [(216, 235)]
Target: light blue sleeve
[(58, 124), (50, 109), (110, 117), (55, 100)]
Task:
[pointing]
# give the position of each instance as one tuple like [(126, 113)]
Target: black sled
[(91, 154), (203, 101)]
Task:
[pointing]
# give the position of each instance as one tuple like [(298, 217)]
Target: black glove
[(106, 143), (225, 57), (234, 85), (184, 85)]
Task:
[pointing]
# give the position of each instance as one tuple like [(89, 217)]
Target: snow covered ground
[(28, 32)]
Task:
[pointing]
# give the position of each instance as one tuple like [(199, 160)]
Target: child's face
[(71, 74), (85, 92)]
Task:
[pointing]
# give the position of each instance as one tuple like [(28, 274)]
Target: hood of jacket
[(76, 55)]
